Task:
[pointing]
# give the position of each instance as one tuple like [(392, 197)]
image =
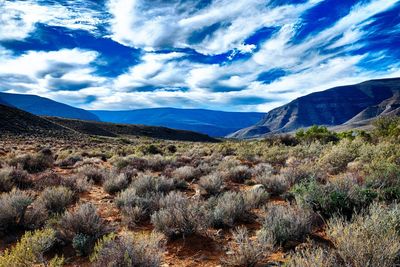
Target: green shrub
[(385, 178), (337, 158), (29, 251), (387, 126), (316, 133)]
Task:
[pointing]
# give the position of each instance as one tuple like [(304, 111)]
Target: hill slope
[(45, 107), (17, 122), (211, 122), (336, 106)]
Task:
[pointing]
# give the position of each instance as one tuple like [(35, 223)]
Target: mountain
[(344, 105), (210, 122), (16, 122), (44, 106)]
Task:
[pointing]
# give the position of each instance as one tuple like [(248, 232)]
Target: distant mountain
[(16, 122), (45, 107), (344, 105), (210, 122)]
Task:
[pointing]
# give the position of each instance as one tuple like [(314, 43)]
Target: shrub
[(178, 216), (147, 184), (115, 183), (12, 177), (34, 163), (255, 197), (368, 240), (186, 173), (314, 257), (285, 224), (69, 161), (211, 183), (237, 174), (385, 178), (244, 251), (29, 251), (94, 174), (12, 209), (274, 184), (151, 149), (83, 227), (316, 133), (56, 199), (343, 196), (337, 158), (387, 126), (146, 251), (228, 209)]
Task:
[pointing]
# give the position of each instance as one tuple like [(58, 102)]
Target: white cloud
[(18, 18)]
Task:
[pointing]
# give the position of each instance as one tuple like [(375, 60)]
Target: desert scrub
[(212, 183), (12, 177), (284, 224), (255, 197), (313, 256), (12, 209), (34, 163), (179, 216), (385, 178), (93, 173), (244, 251), (83, 227), (340, 196), (369, 239), (186, 173), (237, 174), (128, 250), (56, 199), (228, 209), (29, 251), (337, 158), (114, 183), (274, 184)]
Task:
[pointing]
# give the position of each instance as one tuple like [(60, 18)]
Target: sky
[(232, 55)]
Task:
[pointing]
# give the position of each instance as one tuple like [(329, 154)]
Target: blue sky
[(242, 55)]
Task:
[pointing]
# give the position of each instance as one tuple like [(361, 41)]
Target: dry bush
[(12, 210), (274, 184), (211, 183), (263, 169), (147, 183), (34, 163), (314, 257), (237, 174), (179, 216), (228, 209), (68, 162), (114, 183), (93, 173), (128, 250), (12, 177), (30, 250), (83, 227), (337, 158), (369, 239), (286, 224), (255, 197), (186, 173), (243, 250), (56, 199)]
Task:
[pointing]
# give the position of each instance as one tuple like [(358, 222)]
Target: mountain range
[(344, 107), (341, 108)]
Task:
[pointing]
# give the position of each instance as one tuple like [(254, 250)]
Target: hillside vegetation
[(316, 198)]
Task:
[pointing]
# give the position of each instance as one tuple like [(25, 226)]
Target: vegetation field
[(315, 198)]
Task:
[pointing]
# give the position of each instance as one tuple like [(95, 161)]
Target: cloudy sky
[(236, 55)]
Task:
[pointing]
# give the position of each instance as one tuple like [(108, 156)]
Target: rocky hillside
[(344, 105)]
